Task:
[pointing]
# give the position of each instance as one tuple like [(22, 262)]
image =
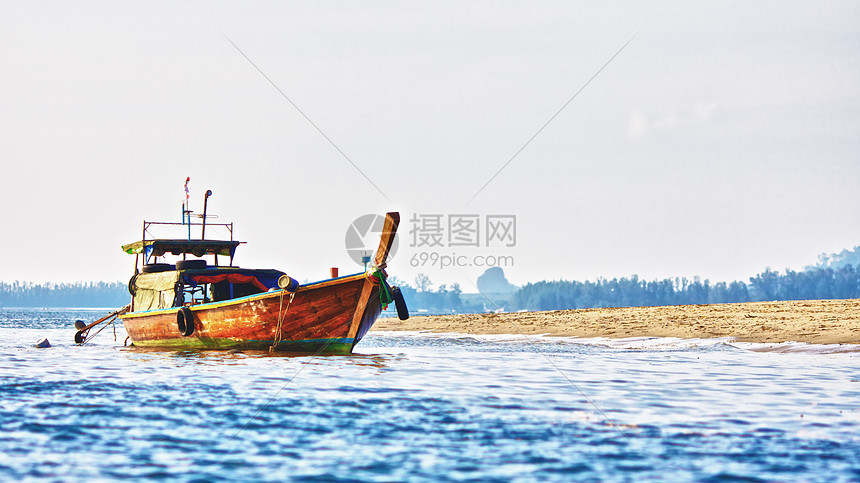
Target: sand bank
[(812, 321)]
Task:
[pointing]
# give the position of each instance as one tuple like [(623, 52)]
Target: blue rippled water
[(413, 407)]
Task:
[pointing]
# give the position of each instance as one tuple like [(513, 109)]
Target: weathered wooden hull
[(325, 317)]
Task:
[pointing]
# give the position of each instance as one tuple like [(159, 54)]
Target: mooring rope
[(282, 312), (109, 322)]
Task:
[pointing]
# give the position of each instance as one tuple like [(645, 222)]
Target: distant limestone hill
[(493, 281)]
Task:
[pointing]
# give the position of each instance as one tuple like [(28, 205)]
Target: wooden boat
[(193, 305)]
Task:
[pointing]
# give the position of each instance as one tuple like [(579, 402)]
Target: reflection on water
[(423, 406)]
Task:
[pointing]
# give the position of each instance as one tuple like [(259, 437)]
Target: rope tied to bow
[(385, 295), (282, 312)]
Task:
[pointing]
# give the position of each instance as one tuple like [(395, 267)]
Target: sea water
[(425, 407)]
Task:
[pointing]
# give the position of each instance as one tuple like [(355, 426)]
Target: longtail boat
[(190, 304)]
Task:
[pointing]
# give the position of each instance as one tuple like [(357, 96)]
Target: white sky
[(722, 140)]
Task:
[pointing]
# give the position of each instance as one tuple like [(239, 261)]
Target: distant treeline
[(443, 299), (839, 260), (812, 283), (78, 294), (834, 277)]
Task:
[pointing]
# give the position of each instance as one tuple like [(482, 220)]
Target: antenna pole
[(205, 202)]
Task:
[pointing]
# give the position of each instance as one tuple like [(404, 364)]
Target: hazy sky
[(723, 139)]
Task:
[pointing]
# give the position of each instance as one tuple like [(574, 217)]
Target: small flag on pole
[(185, 203), (186, 207)]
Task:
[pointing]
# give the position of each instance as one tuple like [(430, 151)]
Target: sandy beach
[(811, 321)]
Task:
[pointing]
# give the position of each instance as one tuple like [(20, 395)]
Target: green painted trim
[(335, 346)]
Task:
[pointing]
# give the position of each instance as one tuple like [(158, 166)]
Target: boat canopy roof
[(197, 248)]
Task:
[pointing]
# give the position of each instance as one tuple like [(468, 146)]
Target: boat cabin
[(176, 272)]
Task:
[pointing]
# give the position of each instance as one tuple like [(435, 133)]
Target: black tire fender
[(131, 287), (399, 303), (190, 264), (157, 267), (185, 321)]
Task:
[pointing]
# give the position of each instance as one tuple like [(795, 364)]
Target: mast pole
[(205, 202), (186, 208)]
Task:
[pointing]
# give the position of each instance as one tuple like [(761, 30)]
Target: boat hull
[(327, 317)]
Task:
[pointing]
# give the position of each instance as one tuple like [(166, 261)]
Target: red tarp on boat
[(230, 277)]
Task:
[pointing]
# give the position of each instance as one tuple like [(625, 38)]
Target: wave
[(639, 343)]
